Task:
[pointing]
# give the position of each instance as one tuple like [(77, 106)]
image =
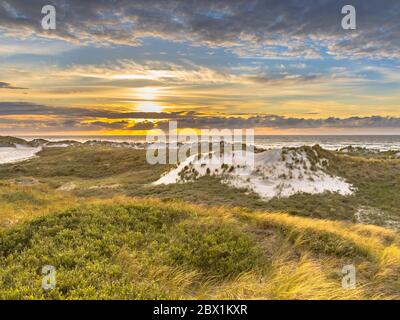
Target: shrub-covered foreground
[(146, 249)]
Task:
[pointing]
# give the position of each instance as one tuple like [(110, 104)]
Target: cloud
[(285, 79), (6, 85), (32, 109), (145, 125), (33, 117), (109, 125), (264, 28), (281, 122)]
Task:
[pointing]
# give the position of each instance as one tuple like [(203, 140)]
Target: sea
[(329, 142)]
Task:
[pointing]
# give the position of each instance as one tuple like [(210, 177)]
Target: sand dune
[(276, 172)]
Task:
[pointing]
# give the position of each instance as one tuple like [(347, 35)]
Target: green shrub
[(82, 245), (215, 248)]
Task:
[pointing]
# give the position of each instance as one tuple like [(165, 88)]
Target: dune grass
[(124, 248), (79, 161), (20, 203)]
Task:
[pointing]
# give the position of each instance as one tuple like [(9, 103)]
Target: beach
[(17, 153)]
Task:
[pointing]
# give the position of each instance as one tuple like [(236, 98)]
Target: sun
[(148, 96), (149, 107)]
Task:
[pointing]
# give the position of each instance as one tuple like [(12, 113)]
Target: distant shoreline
[(256, 135), (329, 142)]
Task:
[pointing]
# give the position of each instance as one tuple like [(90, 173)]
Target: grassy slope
[(104, 171), (84, 162), (147, 249)]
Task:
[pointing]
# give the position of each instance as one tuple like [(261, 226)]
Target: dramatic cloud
[(31, 109), (269, 28), (134, 65), (76, 119), (280, 122)]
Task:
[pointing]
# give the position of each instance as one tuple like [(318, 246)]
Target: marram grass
[(124, 248)]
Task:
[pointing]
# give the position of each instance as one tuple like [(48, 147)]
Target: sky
[(124, 67)]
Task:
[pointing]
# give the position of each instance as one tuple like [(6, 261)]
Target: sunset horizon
[(264, 65)]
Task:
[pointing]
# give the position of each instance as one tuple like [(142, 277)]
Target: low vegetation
[(147, 249), (103, 171)]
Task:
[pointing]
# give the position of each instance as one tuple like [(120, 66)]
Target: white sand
[(275, 173), (19, 153), (59, 145)]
